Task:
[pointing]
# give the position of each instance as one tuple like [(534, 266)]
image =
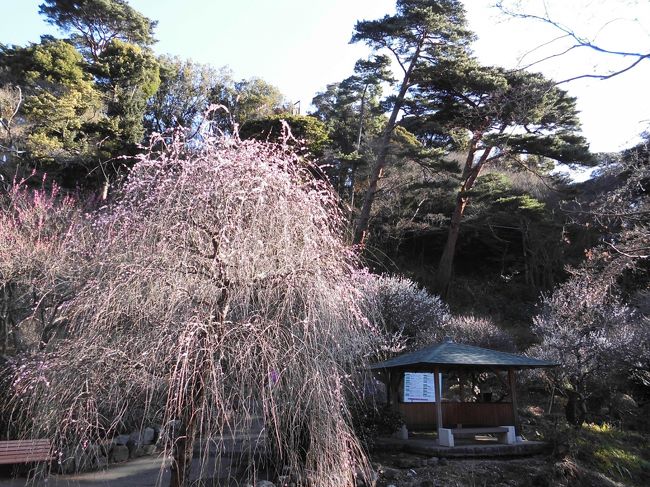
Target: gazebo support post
[(445, 436), (513, 399), (436, 383), (385, 378), (392, 386)]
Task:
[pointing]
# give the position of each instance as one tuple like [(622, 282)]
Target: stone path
[(141, 472), (145, 471)]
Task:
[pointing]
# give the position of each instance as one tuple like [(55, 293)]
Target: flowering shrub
[(37, 270), (599, 342), (480, 332), (411, 314), (416, 318)]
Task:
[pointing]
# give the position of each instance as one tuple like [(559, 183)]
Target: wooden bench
[(505, 434), (471, 432), (25, 451)]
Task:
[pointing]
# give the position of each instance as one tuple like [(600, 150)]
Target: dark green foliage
[(94, 24), (431, 24), (511, 112), (421, 34), (502, 114), (351, 109), (114, 38), (128, 75), (371, 421), (80, 101), (60, 102), (304, 130), (355, 118)]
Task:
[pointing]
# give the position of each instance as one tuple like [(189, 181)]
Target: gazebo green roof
[(450, 354)]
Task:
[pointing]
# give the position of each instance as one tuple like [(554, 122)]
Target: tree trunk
[(361, 113), (361, 225), (184, 443), (445, 266), (180, 462), (470, 174)]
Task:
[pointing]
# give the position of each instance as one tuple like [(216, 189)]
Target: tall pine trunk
[(471, 172), (445, 266), (361, 224)]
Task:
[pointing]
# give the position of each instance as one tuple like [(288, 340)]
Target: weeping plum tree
[(219, 290)]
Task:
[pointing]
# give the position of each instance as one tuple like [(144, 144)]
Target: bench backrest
[(24, 451)]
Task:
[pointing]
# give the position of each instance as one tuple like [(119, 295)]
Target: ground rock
[(105, 447), (119, 453), (156, 432), (149, 449), (433, 461), (390, 473), (121, 439), (148, 436)]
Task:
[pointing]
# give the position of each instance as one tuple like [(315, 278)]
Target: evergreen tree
[(490, 114), (128, 75), (94, 24), (354, 116), (420, 34), (60, 103)]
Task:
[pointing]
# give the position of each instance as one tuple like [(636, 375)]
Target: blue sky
[(301, 45)]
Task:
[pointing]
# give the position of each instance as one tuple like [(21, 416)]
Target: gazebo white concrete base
[(462, 448)]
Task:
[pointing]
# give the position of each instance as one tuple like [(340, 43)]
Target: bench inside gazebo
[(414, 385)]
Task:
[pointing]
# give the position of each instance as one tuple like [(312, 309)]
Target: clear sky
[(301, 45)]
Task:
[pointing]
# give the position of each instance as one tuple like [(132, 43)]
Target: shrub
[(480, 332), (38, 262), (371, 421), (416, 318), (598, 341), (410, 314)]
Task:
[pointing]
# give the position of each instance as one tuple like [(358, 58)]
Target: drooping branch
[(578, 42)]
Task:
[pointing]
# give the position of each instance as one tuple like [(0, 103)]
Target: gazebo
[(413, 385)]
